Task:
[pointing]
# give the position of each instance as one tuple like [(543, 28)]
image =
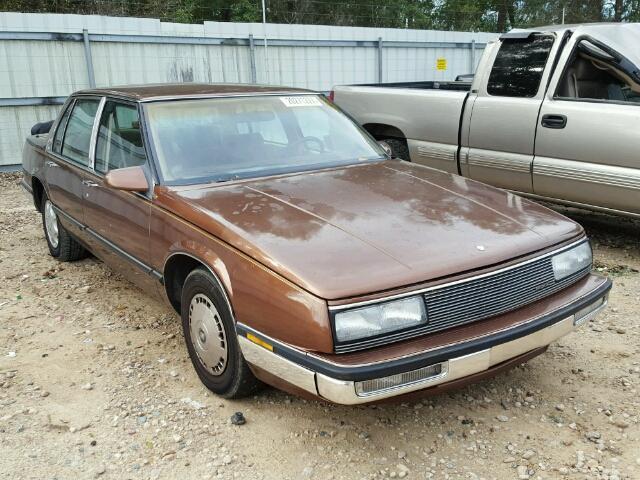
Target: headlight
[(572, 261), (379, 319)]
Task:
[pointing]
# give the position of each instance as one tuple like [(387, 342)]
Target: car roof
[(165, 91)]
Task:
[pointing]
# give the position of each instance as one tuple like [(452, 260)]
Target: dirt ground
[(95, 381)]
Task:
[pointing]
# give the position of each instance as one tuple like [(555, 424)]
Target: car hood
[(367, 228)]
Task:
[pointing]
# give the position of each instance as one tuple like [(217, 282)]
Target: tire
[(62, 245), (399, 148), (210, 335)]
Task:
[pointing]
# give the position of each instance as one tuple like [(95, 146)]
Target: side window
[(594, 74), (77, 135), (518, 67), (57, 139), (119, 138)]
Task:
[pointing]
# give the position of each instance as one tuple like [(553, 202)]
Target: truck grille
[(478, 298)]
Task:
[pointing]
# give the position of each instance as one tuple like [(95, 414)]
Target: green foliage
[(474, 15)]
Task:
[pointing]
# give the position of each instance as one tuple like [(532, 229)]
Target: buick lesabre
[(296, 251)]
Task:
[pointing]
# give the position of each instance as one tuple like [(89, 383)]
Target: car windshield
[(221, 139)]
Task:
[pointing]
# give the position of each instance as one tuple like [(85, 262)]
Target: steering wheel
[(308, 142)]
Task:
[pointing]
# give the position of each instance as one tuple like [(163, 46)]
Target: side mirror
[(130, 179), (386, 147)]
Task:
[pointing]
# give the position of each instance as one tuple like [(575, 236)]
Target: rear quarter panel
[(429, 119)]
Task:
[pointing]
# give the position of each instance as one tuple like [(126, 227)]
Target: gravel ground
[(95, 382)]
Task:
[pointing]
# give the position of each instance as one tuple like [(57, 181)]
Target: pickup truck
[(551, 113)]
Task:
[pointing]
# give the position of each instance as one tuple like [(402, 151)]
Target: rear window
[(517, 70)]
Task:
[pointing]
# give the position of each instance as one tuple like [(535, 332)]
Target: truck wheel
[(61, 244), (211, 339), (399, 148)]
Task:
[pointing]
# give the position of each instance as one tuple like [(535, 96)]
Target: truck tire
[(399, 148), (62, 245), (210, 335)]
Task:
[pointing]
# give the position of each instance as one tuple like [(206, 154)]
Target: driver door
[(587, 140), (119, 220)]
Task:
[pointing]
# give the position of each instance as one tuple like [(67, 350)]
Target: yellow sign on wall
[(441, 64)]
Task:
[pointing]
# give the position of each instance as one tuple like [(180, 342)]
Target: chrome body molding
[(336, 308), (513, 162), (345, 392), (580, 171), (569, 203), (433, 154)]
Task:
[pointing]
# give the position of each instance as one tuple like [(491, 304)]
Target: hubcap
[(51, 223), (207, 334)]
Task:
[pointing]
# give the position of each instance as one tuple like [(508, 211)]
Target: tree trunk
[(618, 11), (502, 16)]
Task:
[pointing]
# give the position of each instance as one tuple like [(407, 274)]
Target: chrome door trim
[(94, 133)]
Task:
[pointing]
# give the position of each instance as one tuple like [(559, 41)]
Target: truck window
[(594, 74), (518, 67), (77, 135), (119, 139)]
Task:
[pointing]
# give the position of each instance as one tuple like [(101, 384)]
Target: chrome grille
[(493, 295), (478, 298)]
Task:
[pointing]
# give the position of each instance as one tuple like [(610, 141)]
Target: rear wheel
[(211, 339), (61, 243), (399, 148)]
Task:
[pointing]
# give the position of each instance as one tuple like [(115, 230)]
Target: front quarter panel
[(259, 297)]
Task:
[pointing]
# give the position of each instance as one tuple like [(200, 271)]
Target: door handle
[(552, 120), (51, 164), (89, 183)]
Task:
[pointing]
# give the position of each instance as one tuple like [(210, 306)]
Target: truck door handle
[(554, 121), (51, 164), (89, 183)]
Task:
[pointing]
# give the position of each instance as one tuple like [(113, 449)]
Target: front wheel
[(399, 148), (211, 339), (60, 242)]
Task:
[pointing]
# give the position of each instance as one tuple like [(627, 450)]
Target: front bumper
[(365, 383)]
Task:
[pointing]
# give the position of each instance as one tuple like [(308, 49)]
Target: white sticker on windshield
[(302, 101)]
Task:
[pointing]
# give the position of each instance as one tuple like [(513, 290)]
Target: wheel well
[(175, 273), (38, 190), (380, 131)]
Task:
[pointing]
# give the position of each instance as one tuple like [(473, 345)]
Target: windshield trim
[(152, 153), (240, 181)]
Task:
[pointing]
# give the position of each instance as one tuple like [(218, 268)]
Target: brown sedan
[(296, 251)]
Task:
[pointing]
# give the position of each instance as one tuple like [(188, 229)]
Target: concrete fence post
[(473, 56), (88, 58), (252, 59), (379, 59)]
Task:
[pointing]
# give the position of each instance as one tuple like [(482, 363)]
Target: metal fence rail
[(45, 57), (250, 42)]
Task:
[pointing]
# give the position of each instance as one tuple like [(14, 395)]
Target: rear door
[(505, 112), (588, 140), (69, 157)]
